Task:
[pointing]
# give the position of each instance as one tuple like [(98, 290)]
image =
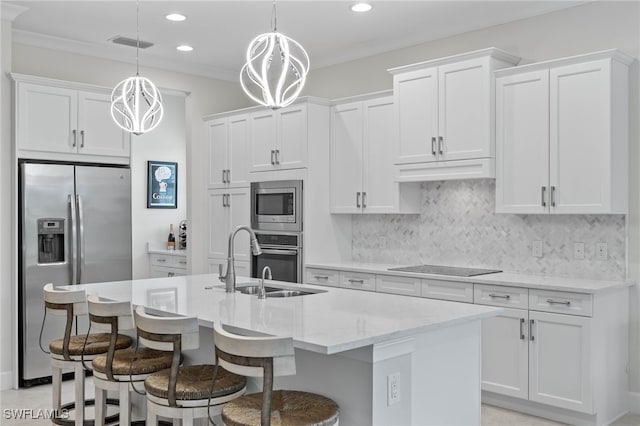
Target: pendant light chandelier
[(276, 68), (136, 103)]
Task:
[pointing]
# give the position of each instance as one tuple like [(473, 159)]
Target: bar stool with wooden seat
[(120, 370), (267, 357), (182, 392), (70, 352)]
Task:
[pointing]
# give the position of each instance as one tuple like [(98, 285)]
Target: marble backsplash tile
[(457, 226)]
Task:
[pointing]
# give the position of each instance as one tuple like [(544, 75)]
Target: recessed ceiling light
[(184, 48), (361, 7), (175, 17)]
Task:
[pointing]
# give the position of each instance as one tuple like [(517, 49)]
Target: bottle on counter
[(171, 240)]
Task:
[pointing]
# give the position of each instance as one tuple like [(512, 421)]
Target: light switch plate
[(601, 251), (536, 249), (578, 251)]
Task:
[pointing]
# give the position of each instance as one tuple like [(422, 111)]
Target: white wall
[(587, 28)]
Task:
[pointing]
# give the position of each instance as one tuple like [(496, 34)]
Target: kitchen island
[(385, 359)]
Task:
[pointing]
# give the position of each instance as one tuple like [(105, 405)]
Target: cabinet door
[(580, 137), (522, 143), (464, 110), (218, 223), (560, 361), (99, 134), (239, 215), (380, 191), (217, 152), (47, 118), (416, 115), (238, 149), (263, 141), (292, 137), (505, 353), (346, 158)]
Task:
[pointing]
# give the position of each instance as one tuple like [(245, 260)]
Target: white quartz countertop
[(542, 282), (161, 249), (332, 321)]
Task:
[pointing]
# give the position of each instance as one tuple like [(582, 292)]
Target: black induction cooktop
[(445, 270)]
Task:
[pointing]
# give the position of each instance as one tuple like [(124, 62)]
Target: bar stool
[(182, 392), (70, 352), (120, 370), (267, 357)]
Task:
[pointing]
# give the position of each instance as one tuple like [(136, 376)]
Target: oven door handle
[(279, 251)]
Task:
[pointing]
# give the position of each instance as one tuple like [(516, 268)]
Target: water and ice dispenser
[(50, 240)]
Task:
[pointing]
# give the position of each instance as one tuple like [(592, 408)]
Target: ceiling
[(220, 31)]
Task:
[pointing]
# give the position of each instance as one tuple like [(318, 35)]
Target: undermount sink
[(287, 293), (253, 289)]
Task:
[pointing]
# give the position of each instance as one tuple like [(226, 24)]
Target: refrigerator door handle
[(73, 242), (80, 238)]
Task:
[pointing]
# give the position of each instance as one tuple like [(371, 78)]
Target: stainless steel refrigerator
[(75, 228)]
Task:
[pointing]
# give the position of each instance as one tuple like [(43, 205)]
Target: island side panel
[(446, 373)]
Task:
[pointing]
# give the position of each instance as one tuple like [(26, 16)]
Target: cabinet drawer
[(162, 272), (161, 260), (561, 302), (358, 281), (447, 290), (495, 295), (398, 285), (326, 277), (180, 262)]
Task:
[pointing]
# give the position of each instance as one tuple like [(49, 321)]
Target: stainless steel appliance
[(277, 205), (282, 253), (75, 228), (445, 270)]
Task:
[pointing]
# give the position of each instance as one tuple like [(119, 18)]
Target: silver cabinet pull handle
[(171, 274), (433, 146), (228, 176), (321, 277), (364, 200), (223, 176), (559, 302), (543, 203), (521, 328), (277, 155), (531, 322), (81, 138), (272, 154), (357, 199), (228, 200), (74, 137), (553, 196), (182, 262), (440, 145), (500, 296), (352, 281), (162, 260)]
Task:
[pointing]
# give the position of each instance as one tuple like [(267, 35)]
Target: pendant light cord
[(137, 37), (274, 17)]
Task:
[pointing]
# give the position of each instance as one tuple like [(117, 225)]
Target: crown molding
[(11, 11), (116, 53)]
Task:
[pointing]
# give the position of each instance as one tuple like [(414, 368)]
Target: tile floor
[(39, 397)]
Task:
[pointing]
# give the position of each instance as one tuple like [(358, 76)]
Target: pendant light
[(276, 68), (136, 103)]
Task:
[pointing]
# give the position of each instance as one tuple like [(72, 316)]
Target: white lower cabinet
[(326, 277), (559, 361), (398, 285), (358, 281), (505, 353), (167, 265)]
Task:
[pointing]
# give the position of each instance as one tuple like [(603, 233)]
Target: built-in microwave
[(276, 205)]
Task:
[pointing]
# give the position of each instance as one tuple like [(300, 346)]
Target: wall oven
[(282, 252), (277, 206)]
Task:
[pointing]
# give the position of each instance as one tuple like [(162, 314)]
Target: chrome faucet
[(230, 277), (262, 294)]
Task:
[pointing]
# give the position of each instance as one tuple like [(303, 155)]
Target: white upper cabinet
[(66, 121), (562, 136), (279, 138), (444, 114), (228, 139), (362, 151)]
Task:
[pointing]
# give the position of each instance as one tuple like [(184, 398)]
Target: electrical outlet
[(393, 388), (382, 242), (601, 251), (536, 249), (578, 251)]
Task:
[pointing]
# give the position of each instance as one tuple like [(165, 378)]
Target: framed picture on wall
[(162, 185)]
